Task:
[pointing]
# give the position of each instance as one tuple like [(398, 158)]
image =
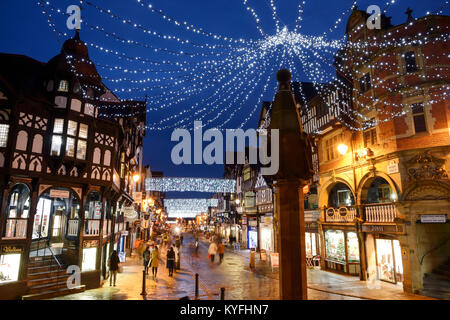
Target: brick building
[(384, 152)]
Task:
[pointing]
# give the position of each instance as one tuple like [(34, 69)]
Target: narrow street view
[(248, 155)]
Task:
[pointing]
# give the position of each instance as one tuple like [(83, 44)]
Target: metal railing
[(341, 214)]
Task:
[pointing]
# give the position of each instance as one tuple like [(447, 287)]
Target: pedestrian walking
[(113, 263), (221, 251), (212, 251), (181, 239), (170, 260), (155, 261), (146, 257)]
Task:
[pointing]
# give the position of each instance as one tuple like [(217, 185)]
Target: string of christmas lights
[(210, 185)]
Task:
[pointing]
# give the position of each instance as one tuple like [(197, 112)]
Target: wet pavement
[(239, 280)]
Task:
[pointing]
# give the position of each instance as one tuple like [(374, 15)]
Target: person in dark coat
[(113, 263), (146, 257), (170, 260)]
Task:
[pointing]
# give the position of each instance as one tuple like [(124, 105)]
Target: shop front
[(10, 263), (312, 244), (342, 251), (266, 233), (252, 233), (89, 260), (384, 254)]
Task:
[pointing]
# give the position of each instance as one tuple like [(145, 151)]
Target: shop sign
[(59, 193), (253, 223), (433, 218), (392, 167), (90, 244), (138, 196), (274, 260), (11, 249), (244, 220), (372, 228), (124, 232), (129, 212)]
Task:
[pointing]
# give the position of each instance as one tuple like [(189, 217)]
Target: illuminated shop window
[(89, 259), (9, 267)]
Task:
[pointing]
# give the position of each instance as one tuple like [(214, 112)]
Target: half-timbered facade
[(66, 161)]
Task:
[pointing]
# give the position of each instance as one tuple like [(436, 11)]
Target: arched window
[(17, 211), (37, 143), (97, 154), (22, 141), (107, 158), (340, 195)]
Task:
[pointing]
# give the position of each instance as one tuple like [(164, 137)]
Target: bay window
[(75, 138)]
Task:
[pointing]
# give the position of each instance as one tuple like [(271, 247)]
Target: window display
[(389, 261), (41, 218), (266, 238), (352, 247), (9, 267), (89, 259), (252, 238), (335, 245)]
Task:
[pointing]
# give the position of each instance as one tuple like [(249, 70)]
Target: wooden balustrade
[(380, 212), (72, 227), (91, 227)]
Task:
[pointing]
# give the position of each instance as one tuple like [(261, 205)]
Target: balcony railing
[(91, 227), (106, 227), (16, 228), (380, 212), (341, 214), (72, 227)]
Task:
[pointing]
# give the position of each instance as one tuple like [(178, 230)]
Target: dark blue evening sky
[(24, 30)]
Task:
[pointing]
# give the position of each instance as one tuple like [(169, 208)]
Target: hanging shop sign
[(129, 212), (11, 249), (59, 193), (244, 220), (433, 218), (373, 228), (392, 167), (90, 244)]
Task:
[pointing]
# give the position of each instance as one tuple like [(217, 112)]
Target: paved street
[(239, 281)]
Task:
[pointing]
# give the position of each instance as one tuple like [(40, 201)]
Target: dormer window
[(63, 86)]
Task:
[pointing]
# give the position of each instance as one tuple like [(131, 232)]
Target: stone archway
[(426, 190), (368, 179), (324, 191)]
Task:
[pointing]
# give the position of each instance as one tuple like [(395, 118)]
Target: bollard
[(222, 293), (196, 285), (143, 293)]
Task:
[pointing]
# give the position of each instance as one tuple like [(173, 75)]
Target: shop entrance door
[(389, 260), (58, 226)]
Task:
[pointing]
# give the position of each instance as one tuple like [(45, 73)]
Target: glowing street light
[(136, 177), (342, 148)]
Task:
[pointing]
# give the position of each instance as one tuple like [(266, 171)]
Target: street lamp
[(136, 177), (342, 148), (237, 201)]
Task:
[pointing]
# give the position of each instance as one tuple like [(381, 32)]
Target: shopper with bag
[(113, 263)]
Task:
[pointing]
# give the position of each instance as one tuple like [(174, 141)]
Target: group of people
[(151, 258), (214, 249)]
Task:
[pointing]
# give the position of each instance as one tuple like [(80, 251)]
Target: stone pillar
[(294, 172), (291, 240)]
